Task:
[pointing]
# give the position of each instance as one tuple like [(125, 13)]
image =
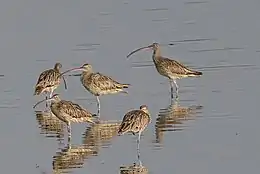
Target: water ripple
[(194, 40), (196, 2), (156, 9), (216, 49)]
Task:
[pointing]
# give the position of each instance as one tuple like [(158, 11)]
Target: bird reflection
[(101, 133), (133, 169), (74, 156), (50, 125), (173, 117)]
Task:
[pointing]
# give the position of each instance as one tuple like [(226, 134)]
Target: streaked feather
[(71, 111), (173, 67), (98, 83), (47, 79), (134, 121)]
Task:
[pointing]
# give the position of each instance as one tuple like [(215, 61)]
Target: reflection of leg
[(177, 89), (138, 148), (98, 106), (69, 129), (171, 83)]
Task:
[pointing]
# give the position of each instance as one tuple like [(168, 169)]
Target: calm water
[(212, 129)]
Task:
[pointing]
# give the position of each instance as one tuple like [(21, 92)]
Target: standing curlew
[(68, 111), (49, 80), (169, 68), (97, 83), (135, 121)]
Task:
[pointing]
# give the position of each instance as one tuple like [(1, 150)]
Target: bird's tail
[(123, 129), (38, 90), (95, 118), (195, 73), (125, 85), (120, 132), (94, 115)]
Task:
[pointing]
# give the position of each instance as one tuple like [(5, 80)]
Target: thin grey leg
[(46, 104), (138, 148), (171, 83), (50, 95), (51, 92), (98, 106), (177, 89)]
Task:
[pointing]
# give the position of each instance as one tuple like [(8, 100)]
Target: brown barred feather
[(69, 111), (172, 67), (99, 84), (48, 79), (134, 121)]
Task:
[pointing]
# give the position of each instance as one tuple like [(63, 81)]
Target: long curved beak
[(73, 69), (65, 84), (139, 49), (41, 102)]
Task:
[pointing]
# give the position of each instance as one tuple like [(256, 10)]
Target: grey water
[(213, 128)]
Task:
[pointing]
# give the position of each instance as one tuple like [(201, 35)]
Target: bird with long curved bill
[(167, 67), (97, 83), (49, 80), (68, 111), (135, 121)]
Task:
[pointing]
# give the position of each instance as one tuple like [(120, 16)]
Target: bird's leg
[(171, 83), (51, 92), (138, 147), (69, 130), (69, 139), (177, 89), (98, 106), (46, 104)]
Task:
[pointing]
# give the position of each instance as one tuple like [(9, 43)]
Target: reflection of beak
[(73, 69), (139, 49), (42, 101)]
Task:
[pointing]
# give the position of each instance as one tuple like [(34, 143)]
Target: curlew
[(167, 67), (68, 111), (49, 80), (97, 83), (135, 121)]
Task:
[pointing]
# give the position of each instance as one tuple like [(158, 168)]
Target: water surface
[(213, 128)]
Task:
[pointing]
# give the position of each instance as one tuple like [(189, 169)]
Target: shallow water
[(213, 128)]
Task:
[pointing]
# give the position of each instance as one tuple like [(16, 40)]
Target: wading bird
[(169, 68), (49, 80), (68, 111), (97, 83), (135, 121)]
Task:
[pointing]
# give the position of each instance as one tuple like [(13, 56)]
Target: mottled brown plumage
[(97, 83), (135, 121), (68, 111), (49, 80), (169, 68)]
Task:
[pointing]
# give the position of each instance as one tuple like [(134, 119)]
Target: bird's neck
[(86, 73), (55, 101), (57, 70), (156, 54), (146, 111)]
